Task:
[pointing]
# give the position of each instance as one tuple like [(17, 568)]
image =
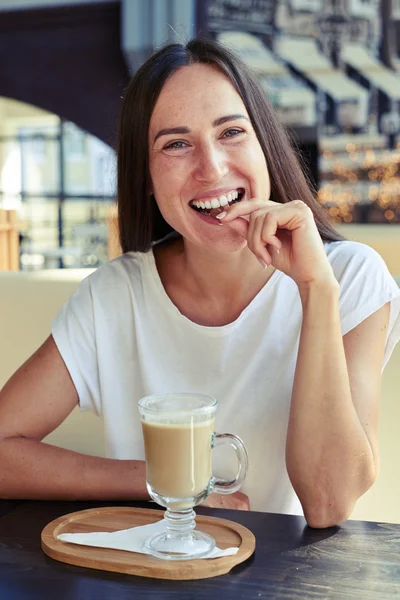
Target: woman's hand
[(284, 235), (236, 501)]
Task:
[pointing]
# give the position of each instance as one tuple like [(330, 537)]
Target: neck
[(226, 275), (201, 282)]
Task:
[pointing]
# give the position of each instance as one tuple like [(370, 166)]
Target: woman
[(248, 295)]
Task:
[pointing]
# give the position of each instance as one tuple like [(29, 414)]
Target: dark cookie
[(216, 211)]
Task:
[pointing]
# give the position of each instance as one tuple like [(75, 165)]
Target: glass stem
[(180, 523)]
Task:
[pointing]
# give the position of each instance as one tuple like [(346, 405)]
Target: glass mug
[(178, 431)]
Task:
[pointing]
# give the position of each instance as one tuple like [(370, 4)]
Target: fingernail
[(221, 215), (262, 263)]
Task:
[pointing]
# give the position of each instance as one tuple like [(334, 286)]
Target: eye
[(232, 132), (175, 146)]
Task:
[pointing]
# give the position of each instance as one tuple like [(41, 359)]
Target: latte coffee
[(178, 457)]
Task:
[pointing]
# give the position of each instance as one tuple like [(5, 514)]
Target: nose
[(212, 164)]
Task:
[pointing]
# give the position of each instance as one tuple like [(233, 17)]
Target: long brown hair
[(139, 219)]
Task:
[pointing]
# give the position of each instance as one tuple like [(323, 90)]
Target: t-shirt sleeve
[(73, 330), (365, 286)]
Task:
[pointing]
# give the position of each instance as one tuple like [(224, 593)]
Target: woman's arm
[(37, 398), (332, 447)]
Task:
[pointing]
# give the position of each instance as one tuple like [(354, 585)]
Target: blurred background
[(330, 67)]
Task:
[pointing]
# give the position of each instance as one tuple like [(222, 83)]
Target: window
[(61, 180)]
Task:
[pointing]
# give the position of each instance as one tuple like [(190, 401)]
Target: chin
[(232, 242)]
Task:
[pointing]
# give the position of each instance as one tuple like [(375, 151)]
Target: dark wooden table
[(359, 560)]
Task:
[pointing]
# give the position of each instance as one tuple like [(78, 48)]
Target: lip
[(217, 192), (208, 219)]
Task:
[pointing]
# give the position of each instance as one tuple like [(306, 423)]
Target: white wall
[(24, 4), (367, 9), (396, 9)]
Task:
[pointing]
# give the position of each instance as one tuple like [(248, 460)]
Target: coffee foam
[(178, 418), (179, 410)]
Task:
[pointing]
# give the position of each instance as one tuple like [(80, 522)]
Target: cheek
[(262, 171), (253, 161), (166, 187), (157, 176), (166, 176), (252, 155)]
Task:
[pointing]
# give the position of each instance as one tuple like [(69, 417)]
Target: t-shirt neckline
[(219, 329)]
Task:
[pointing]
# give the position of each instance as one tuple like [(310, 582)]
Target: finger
[(240, 225), (269, 229), (255, 242), (290, 215), (244, 208), (262, 232), (293, 215), (268, 233)]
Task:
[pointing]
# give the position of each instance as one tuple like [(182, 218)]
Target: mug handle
[(226, 486)]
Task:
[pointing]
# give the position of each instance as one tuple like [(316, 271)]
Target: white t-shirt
[(122, 338)]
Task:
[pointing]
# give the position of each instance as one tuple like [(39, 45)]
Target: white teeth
[(223, 200)]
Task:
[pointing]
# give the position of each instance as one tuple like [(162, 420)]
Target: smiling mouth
[(214, 206)]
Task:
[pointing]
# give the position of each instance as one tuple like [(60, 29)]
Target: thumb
[(240, 225)]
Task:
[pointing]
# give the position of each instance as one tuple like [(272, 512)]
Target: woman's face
[(203, 152)]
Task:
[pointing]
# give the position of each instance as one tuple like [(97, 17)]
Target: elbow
[(323, 509), (327, 512), (328, 516)]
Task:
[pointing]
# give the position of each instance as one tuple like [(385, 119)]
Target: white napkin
[(133, 540)]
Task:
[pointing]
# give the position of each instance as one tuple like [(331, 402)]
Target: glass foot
[(180, 541), (168, 547)]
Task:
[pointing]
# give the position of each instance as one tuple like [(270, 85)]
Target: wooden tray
[(226, 534)]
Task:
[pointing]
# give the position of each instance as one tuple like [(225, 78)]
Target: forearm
[(34, 470), (329, 459)]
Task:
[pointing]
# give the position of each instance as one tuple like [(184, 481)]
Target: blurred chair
[(28, 303), (9, 240)]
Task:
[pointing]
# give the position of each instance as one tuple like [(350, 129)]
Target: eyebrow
[(216, 123)]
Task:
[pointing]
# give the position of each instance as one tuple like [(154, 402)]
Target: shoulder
[(365, 286), (351, 260), (115, 282), (346, 251), (121, 271)]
